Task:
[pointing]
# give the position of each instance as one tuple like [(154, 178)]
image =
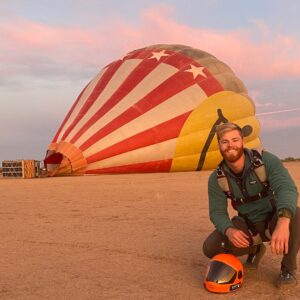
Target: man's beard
[(233, 156)]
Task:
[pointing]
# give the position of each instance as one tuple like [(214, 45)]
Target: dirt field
[(115, 237)]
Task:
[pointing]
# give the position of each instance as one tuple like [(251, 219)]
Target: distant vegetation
[(290, 159)]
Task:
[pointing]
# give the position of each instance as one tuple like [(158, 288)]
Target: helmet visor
[(220, 273)]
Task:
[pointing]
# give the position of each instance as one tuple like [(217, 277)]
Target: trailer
[(21, 168)]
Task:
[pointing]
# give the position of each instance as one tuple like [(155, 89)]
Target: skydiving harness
[(256, 165)]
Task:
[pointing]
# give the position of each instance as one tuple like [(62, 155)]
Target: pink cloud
[(253, 53), (272, 123), (28, 40), (280, 118), (273, 56)]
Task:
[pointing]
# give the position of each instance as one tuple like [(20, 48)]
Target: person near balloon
[(265, 197)]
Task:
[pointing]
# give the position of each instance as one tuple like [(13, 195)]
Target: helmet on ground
[(224, 274)]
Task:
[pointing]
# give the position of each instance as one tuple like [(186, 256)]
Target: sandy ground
[(115, 237)]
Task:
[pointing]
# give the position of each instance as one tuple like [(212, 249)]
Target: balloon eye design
[(247, 130), (153, 110)]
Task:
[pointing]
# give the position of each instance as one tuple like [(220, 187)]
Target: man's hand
[(280, 237), (237, 237)]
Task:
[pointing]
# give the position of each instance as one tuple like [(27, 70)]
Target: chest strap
[(239, 201)]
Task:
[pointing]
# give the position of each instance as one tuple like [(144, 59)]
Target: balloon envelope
[(153, 110)]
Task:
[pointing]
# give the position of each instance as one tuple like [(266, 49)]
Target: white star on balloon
[(158, 55), (196, 71)]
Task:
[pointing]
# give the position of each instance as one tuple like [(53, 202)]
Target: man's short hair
[(226, 127)]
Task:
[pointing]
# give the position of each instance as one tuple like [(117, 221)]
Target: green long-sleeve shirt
[(286, 195)]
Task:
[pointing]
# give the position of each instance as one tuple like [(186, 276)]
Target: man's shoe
[(286, 278), (254, 258)]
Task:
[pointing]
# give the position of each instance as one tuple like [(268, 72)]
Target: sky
[(50, 50)]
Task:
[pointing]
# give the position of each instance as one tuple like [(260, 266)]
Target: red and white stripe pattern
[(128, 118)]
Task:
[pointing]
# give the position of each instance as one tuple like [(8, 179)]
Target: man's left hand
[(280, 237)]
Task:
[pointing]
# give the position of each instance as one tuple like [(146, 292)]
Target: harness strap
[(258, 166), (269, 218), (254, 237), (260, 195)]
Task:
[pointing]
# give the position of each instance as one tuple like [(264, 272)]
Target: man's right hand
[(237, 237)]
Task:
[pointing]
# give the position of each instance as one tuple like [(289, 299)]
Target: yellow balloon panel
[(197, 146)]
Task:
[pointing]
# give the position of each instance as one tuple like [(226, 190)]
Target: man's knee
[(214, 244), (207, 249), (297, 216), (295, 223)]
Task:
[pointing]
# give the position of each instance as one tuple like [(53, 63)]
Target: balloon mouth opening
[(55, 162), (64, 159)]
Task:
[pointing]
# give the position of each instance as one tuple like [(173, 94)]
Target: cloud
[(280, 119), (271, 123), (255, 53)]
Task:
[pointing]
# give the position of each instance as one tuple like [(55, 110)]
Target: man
[(267, 207)]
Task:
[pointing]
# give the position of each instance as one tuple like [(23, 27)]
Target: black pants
[(218, 243)]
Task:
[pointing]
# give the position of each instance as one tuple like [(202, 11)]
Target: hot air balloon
[(153, 110)]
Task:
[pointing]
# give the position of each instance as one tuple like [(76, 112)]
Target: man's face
[(231, 146)]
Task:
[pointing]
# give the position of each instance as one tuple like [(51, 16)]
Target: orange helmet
[(224, 274)]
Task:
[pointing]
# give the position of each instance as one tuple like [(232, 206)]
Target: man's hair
[(226, 127)]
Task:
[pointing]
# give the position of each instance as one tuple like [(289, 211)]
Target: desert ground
[(132, 236)]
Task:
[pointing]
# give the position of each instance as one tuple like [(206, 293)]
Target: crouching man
[(265, 197)]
